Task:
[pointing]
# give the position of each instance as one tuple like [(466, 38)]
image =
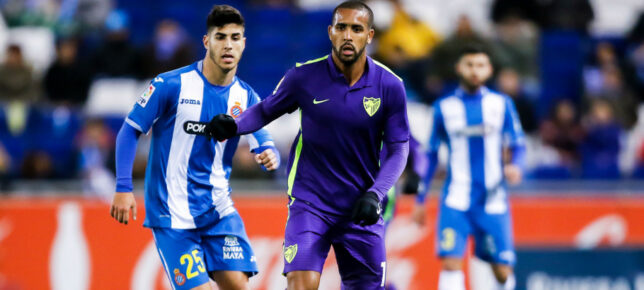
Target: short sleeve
[(397, 125), (150, 105)]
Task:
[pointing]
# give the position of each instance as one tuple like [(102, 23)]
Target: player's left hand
[(367, 210), (512, 174), (269, 158)]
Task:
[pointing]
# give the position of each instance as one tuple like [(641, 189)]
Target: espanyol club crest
[(371, 105), (236, 110), (179, 278)]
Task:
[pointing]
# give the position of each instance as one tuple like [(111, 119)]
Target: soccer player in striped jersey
[(476, 124), (350, 106), (197, 231)]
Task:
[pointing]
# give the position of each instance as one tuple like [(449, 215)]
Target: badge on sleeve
[(145, 97)]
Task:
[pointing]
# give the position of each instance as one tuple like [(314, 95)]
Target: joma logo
[(190, 102)]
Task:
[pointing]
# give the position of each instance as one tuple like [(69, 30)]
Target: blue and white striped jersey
[(475, 129), (186, 182)]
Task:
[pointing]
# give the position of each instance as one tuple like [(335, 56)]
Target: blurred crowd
[(578, 93)]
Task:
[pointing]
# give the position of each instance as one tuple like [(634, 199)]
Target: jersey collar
[(199, 68), (461, 93), (366, 80)]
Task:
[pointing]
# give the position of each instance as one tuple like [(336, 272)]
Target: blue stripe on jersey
[(474, 117)]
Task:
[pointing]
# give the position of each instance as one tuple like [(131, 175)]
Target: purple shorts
[(360, 251)]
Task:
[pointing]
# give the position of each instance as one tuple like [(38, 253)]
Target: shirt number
[(187, 258)]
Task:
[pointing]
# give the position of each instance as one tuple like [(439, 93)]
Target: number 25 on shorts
[(190, 260)]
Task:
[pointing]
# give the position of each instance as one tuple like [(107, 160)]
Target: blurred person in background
[(601, 144), (508, 82), (477, 125), (604, 78), (17, 80), (169, 49), (37, 164), (67, 80), (116, 56), (405, 47), (516, 37), (187, 191), (96, 148), (563, 132), (446, 54), (18, 90)]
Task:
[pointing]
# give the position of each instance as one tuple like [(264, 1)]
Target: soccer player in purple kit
[(351, 106)]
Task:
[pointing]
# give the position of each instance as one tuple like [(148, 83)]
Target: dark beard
[(469, 87), (348, 62), (211, 55)]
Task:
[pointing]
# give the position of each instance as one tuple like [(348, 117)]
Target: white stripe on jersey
[(177, 170), (493, 111), (455, 120), (237, 96), (240, 96), (220, 198)]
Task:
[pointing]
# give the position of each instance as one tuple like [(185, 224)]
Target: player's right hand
[(122, 203), (419, 215), (222, 127)]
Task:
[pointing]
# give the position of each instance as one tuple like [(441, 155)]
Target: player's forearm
[(253, 119), (125, 152), (417, 157), (432, 162), (518, 156), (392, 166)]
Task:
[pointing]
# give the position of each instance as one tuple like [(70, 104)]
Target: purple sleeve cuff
[(392, 166)]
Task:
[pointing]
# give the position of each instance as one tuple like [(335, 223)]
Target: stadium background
[(71, 69)]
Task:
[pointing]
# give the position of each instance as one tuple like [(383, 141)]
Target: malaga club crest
[(236, 110), (290, 252), (371, 105)]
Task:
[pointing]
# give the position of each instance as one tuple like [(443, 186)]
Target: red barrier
[(74, 243)]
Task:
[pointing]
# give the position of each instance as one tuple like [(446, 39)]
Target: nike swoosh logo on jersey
[(315, 101)]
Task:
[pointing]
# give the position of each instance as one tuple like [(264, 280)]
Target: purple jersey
[(335, 156)]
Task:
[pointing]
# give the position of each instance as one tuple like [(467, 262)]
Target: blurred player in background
[(476, 124), (350, 107), (198, 232)]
